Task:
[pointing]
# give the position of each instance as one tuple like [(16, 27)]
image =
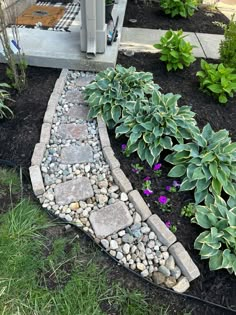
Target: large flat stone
[(71, 131), (73, 190), (74, 96), (76, 154), (110, 219), (83, 81), (78, 112)]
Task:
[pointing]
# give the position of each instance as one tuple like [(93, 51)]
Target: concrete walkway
[(140, 39)]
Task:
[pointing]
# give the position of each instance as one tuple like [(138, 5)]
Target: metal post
[(93, 27)]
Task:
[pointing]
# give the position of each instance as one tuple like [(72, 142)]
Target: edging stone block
[(184, 261), (104, 138), (139, 204), (101, 122), (51, 108), (45, 133), (121, 180), (36, 180), (60, 83), (110, 158), (165, 236), (38, 153)]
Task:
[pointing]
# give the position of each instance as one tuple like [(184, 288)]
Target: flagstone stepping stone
[(71, 131), (78, 112), (73, 190), (74, 96), (83, 81), (110, 219), (76, 154)]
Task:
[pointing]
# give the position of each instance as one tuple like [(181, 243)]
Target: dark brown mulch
[(152, 17), (218, 287), (19, 135)]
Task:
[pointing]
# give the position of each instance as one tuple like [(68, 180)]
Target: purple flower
[(176, 184), (123, 147), (163, 200), (157, 166), (168, 224), (147, 178), (168, 188), (147, 192), (134, 170)]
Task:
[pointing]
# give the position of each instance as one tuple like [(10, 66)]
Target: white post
[(93, 27)]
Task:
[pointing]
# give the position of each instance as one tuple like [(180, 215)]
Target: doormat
[(48, 16), (63, 25)]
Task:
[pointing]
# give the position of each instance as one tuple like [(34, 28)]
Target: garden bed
[(220, 286), (152, 17), (23, 132)]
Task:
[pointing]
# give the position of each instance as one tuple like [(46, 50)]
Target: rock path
[(76, 176)]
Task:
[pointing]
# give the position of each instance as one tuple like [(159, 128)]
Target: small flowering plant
[(171, 227), (157, 169), (174, 187), (147, 186), (164, 203), (136, 168), (123, 147)]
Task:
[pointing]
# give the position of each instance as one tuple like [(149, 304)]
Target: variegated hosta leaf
[(209, 162), (115, 87), (154, 123), (218, 242)]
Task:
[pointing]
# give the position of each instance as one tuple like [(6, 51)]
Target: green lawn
[(44, 270)]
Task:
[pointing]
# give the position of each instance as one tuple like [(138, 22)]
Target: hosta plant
[(217, 80), (175, 51), (206, 165), (112, 88), (150, 125), (218, 242), (5, 111), (184, 8)]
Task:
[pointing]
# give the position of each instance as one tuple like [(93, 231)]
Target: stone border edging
[(177, 250), (186, 264), (40, 148)]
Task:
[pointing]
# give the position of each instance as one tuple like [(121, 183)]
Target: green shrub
[(184, 8), (217, 80), (207, 165), (227, 48), (151, 124), (175, 51), (108, 93), (5, 111), (217, 243)]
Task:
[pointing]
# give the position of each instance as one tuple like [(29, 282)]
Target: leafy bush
[(227, 48), (108, 93), (217, 243), (184, 8), (5, 111), (218, 80), (151, 125), (207, 165), (175, 51)]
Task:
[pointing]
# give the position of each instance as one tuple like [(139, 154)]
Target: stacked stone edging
[(189, 269), (39, 150), (167, 238)]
